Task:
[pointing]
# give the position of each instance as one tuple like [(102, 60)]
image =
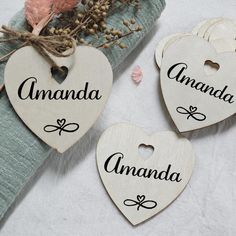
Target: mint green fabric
[(21, 152)]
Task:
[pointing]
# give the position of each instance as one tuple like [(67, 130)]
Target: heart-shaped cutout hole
[(145, 151), (211, 67), (59, 73)]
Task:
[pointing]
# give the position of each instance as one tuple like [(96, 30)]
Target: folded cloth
[(21, 152)]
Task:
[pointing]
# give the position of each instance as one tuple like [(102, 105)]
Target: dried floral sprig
[(114, 37), (40, 12), (91, 21), (92, 18)]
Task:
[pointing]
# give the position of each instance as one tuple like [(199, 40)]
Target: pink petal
[(137, 74)]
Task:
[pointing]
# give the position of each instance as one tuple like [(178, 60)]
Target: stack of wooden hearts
[(220, 32), (198, 74)]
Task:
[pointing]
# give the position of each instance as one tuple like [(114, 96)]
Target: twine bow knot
[(55, 45)]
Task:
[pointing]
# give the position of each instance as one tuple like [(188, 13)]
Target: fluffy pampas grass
[(40, 12), (60, 6)]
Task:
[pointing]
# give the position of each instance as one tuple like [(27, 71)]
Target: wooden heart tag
[(59, 108), (142, 187), (197, 96)]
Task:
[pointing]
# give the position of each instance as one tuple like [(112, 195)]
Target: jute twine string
[(45, 45)]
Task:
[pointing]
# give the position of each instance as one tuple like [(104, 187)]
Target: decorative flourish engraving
[(141, 202), (62, 127), (192, 112)]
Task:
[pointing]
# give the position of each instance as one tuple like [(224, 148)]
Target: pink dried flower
[(38, 13), (60, 6), (137, 75)]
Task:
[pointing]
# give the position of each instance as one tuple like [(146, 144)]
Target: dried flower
[(114, 36), (91, 20), (60, 6), (137, 75), (36, 10), (38, 13)]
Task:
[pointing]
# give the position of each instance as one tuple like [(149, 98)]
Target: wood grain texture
[(88, 68), (165, 43), (138, 195), (190, 94)]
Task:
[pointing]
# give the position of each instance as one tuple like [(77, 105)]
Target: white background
[(67, 196)]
